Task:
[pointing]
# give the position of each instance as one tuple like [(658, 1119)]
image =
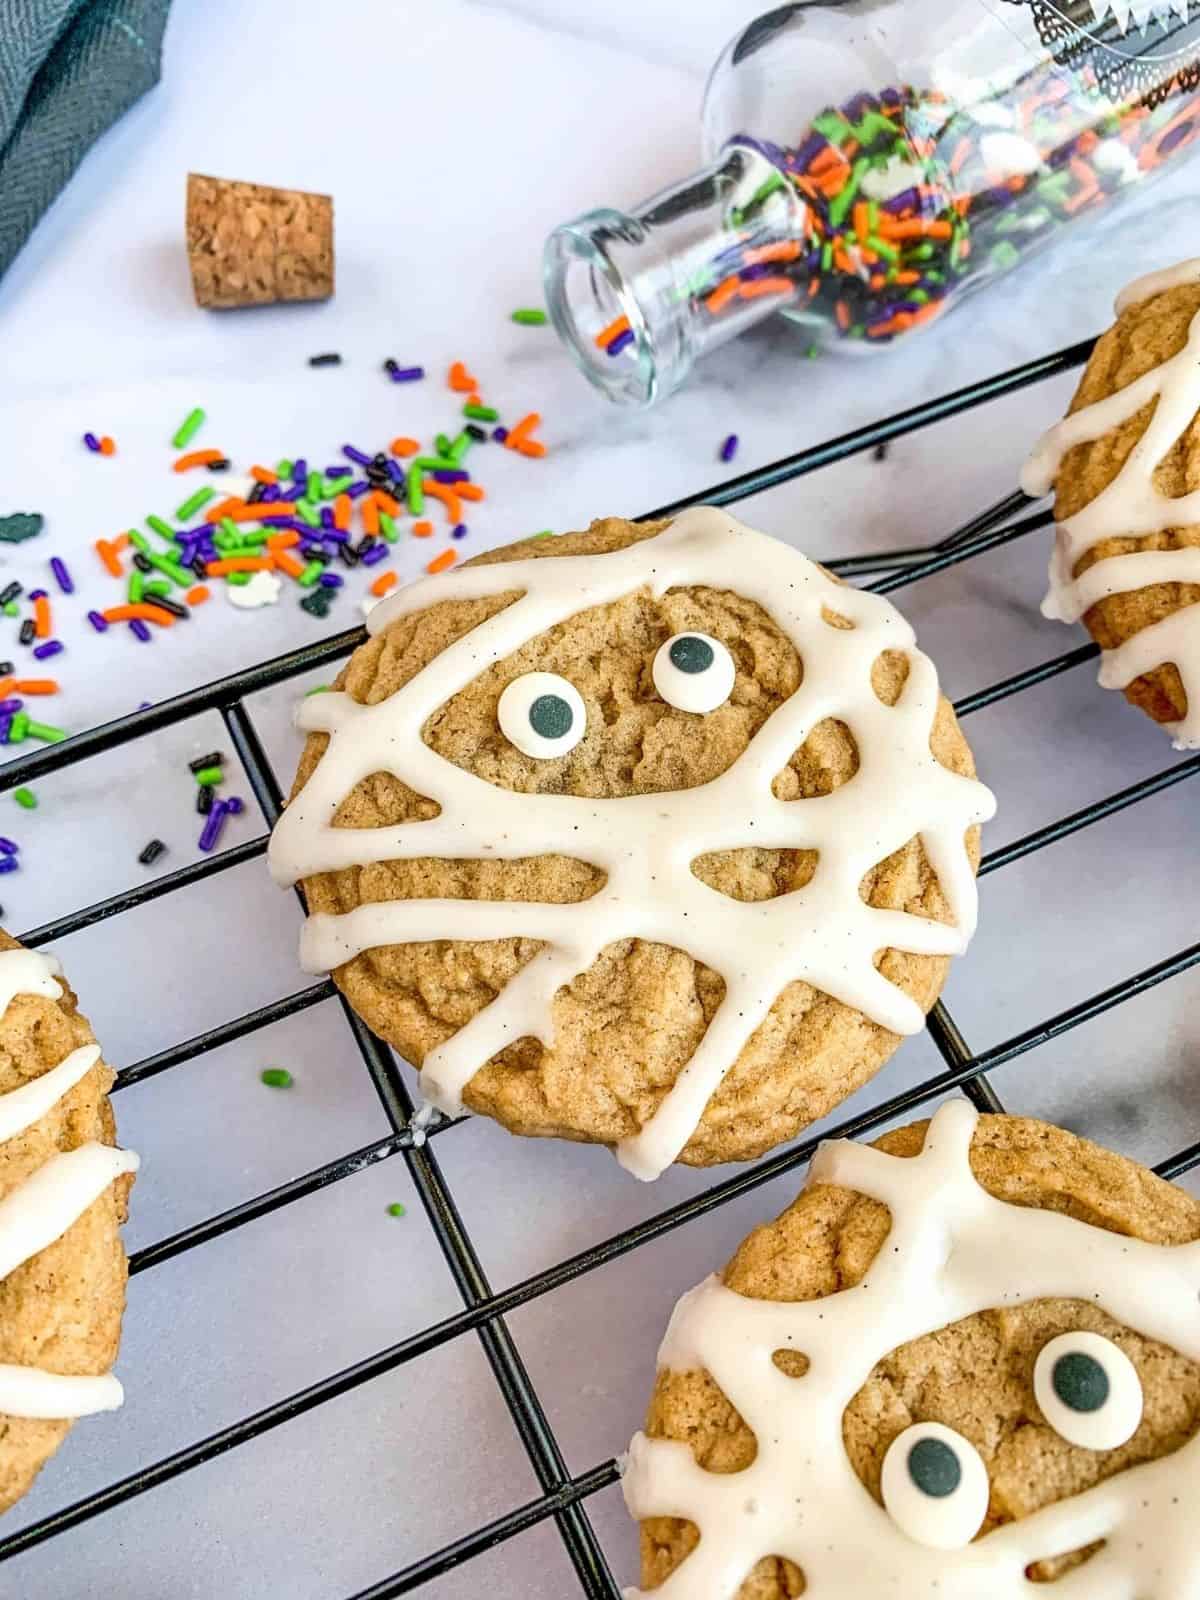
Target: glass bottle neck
[(638, 297)]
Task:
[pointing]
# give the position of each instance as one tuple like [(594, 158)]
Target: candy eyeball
[(1088, 1390), (694, 672), (935, 1486), (542, 715)]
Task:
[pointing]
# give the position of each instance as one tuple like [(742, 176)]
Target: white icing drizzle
[(953, 1250), (1132, 505), (824, 933), (41, 1209)]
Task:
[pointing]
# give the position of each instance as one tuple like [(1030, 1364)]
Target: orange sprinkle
[(121, 542), (615, 329), (842, 313), (468, 491), (287, 562), (41, 617), (197, 595), (422, 529), (6, 686), (908, 277), (723, 294), (474, 399), (461, 380), (198, 458), (531, 447), (37, 685), (370, 515), (385, 502), (283, 540), (107, 447), (913, 228), (862, 219), (446, 494), (143, 612), (241, 511), (342, 508), (383, 583), (404, 447), (522, 429), (841, 260), (264, 475), (440, 563), (218, 569), (108, 554), (787, 251), (224, 508)]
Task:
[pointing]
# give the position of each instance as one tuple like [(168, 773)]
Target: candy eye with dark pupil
[(1080, 1382), (934, 1468), (691, 654), (551, 716)]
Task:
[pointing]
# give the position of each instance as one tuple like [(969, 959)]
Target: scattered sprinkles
[(151, 853), (188, 429), (276, 1078), (26, 799), (729, 447), (328, 358), (396, 1209), (530, 317)]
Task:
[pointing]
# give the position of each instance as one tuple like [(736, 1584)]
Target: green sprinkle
[(813, 352), (173, 570), (45, 731), (826, 256), (210, 775), (138, 540), (332, 487), (311, 573), (188, 429), (283, 469), (156, 586), (882, 248), (459, 447), (387, 527), (396, 1209), (432, 463), (163, 529), (481, 413), (277, 1078), (137, 587), (230, 528), (252, 538), (306, 514), (842, 201), (25, 797), (314, 488), (530, 317), (18, 728), (238, 580), (317, 688), (416, 494), (193, 503), (11, 609), (442, 445)]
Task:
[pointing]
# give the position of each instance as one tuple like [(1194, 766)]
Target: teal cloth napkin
[(68, 70)]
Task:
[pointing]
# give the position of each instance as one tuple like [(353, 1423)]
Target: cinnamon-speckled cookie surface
[(975, 1376), (61, 1309), (625, 1028)]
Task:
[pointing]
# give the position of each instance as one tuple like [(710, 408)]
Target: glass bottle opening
[(595, 310)]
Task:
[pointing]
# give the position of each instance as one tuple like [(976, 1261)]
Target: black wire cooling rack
[(563, 1497)]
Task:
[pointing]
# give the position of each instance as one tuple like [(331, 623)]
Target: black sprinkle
[(880, 452), (476, 432), (6, 669), (213, 759), (165, 603), (152, 852), (255, 494), (199, 567), (391, 365), (348, 555), (9, 592), (219, 466), (328, 358), (367, 541), (315, 603), (28, 631), (21, 525), (142, 561), (204, 798), (379, 459)]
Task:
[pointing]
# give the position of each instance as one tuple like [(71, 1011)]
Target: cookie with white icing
[(651, 836), (964, 1358), (64, 1188), (1125, 469)]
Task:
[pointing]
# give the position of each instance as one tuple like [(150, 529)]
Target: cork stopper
[(250, 245)]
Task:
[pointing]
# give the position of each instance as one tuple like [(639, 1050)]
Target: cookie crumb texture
[(975, 1376), (62, 1309), (623, 1029), (1145, 336)]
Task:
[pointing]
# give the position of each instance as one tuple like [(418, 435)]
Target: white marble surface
[(452, 137)]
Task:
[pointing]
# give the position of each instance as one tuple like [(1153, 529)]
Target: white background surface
[(453, 137)]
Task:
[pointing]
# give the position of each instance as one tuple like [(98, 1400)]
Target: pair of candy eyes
[(934, 1483), (544, 715)]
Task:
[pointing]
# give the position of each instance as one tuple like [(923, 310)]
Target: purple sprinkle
[(139, 630), (405, 375), (499, 435), (760, 269), (811, 146), (234, 806), (6, 718), (300, 473), (356, 490), (43, 652), (329, 580), (1170, 139), (621, 342), (270, 491), (352, 454), (37, 594), (377, 552), (213, 824), (8, 846), (729, 448), (9, 864), (448, 475), (339, 470), (92, 442), (327, 518), (459, 531), (10, 705), (339, 535), (276, 522), (901, 202), (395, 471), (61, 576)]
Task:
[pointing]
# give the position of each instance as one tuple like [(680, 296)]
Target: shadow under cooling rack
[(562, 1495)]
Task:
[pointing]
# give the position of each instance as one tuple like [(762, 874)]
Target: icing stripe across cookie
[(1131, 505), (41, 1209), (824, 934)]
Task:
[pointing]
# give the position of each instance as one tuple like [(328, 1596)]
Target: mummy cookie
[(1125, 468), (63, 1192), (964, 1365), (652, 836)]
